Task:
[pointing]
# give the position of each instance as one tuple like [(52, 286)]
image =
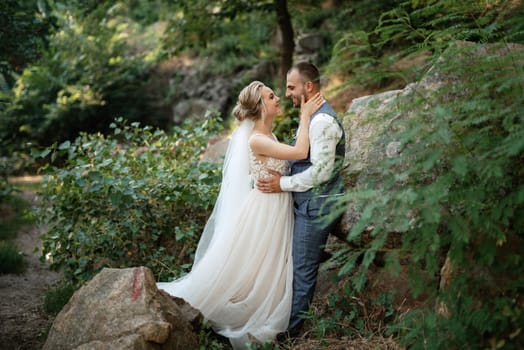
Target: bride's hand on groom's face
[(270, 184), (309, 107)]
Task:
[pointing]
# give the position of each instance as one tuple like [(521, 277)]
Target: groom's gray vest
[(334, 185)]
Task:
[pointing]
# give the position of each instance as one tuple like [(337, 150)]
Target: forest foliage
[(125, 188), (138, 197), (455, 191)]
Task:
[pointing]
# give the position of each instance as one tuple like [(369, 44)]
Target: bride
[(242, 276)]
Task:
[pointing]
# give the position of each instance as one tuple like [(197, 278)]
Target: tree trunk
[(288, 44)]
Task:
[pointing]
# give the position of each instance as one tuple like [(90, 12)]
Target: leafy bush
[(6, 189), (456, 189), (466, 190), (11, 259), (14, 212), (56, 298), (418, 28), (139, 197)]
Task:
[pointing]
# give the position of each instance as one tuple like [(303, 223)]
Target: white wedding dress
[(243, 282)]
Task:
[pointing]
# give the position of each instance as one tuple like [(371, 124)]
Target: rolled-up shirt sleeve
[(324, 134)]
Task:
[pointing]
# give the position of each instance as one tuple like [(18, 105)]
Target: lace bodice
[(258, 168)]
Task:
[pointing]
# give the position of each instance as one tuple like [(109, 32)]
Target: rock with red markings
[(123, 309)]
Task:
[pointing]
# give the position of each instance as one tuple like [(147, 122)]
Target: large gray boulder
[(123, 309), (370, 120), (368, 123)]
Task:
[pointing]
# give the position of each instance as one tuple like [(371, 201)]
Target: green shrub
[(6, 189), (456, 188), (55, 299), (138, 197), (210, 340), (14, 213), (417, 28), (11, 259), (465, 188)]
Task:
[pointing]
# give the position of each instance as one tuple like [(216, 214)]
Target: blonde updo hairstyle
[(249, 104)]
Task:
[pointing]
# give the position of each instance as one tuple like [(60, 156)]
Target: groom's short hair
[(309, 72)]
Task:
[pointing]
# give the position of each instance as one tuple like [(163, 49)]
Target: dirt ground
[(23, 322)]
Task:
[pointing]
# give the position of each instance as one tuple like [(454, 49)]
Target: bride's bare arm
[(267, 147)]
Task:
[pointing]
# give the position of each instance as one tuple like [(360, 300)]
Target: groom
[(315, 182)]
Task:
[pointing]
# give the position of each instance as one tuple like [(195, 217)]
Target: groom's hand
[(270, 184)]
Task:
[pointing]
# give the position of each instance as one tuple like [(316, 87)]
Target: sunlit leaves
[(139, 197)]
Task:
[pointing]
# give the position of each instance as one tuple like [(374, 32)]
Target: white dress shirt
[(324, 134)]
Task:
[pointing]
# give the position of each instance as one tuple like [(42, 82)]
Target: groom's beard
[(297, 103)]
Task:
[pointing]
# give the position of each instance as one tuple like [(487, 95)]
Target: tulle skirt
[(243, 283)]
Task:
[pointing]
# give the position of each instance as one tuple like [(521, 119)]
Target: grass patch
[(11, 259), (14, 214), (56, 298)]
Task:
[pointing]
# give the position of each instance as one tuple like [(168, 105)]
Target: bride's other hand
[(310, 107)]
